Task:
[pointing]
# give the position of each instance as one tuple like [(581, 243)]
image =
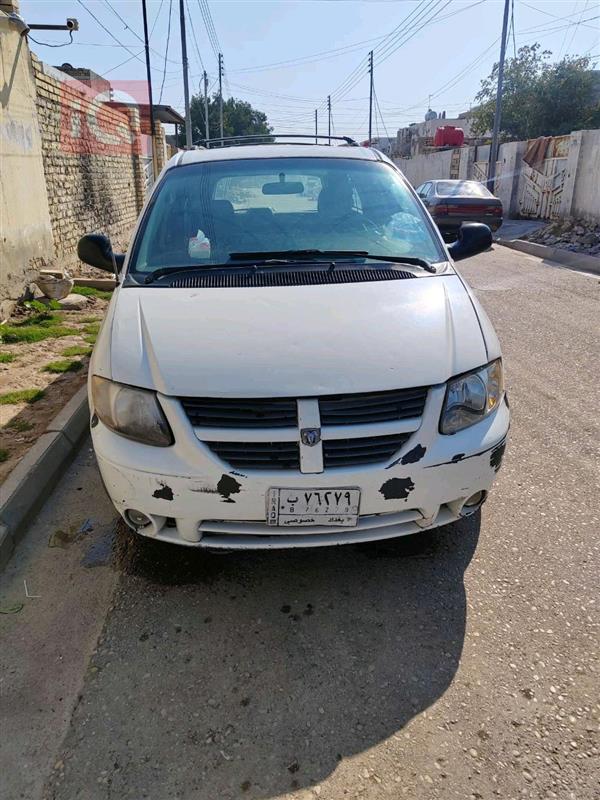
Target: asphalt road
[(463, 666)]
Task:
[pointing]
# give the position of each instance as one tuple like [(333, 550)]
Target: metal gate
[(148, 172), (540, 192), (480, 172)]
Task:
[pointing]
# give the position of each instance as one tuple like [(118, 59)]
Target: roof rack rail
[(232, 141)]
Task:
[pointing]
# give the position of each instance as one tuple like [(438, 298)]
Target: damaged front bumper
[(192, 498)]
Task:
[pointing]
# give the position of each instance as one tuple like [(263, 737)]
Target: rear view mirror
[(282, 187), (473, 238), (96, 250)]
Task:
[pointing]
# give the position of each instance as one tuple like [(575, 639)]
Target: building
[(418, 136)]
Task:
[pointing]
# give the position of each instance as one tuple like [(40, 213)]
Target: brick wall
[(91, 155)]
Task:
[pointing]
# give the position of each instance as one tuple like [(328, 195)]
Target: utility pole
[(370, 95), (207, 134), (498, 112), (221, 93), (186, 88), (149, 79), (329, 117), (316, 126)]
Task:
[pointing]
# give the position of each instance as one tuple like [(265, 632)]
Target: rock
[(589, 238), (54, 287), (73, 302)]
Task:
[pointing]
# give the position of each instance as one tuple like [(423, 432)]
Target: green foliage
[(90, 339), (34, 332), (239, 118), (90, 291), (19, 425), (540, 98), (63, 365), (21, 396), (6, 358), (77, 350), (4, 454), (92, 328), (36, 305)]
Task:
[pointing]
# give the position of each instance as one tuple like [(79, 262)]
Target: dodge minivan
[(290, 357)]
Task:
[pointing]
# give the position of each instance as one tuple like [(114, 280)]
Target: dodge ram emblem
[(310, 436)]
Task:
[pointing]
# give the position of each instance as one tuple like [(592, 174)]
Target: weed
[(77, 350), (35, 305), (90, 339), (64, 365), (91, 319), (3, 454), (19, 425), (92, 328), (6, 358), (21, 396), (26, 332), (89, 291)]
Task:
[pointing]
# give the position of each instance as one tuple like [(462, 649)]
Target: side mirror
[(96, 250), (473, 238)]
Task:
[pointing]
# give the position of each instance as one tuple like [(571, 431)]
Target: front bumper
[(182, 488)]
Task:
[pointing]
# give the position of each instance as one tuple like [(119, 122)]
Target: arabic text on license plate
[(298, 507)]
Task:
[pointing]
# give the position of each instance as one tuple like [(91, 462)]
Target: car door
[(426, 193)]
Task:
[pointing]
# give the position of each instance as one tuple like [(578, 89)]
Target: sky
[(286, 56)]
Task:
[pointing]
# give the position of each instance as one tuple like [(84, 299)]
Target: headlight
[(472, 397), (134, 413)]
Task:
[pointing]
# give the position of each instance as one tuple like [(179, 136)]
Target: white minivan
[(291, 358)]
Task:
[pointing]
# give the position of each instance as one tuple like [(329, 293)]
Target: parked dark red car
[(452, 202)]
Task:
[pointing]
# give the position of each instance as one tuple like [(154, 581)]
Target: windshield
[(462, 189), (204, 212)]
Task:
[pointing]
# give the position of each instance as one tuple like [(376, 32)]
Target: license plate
[(304, 507)]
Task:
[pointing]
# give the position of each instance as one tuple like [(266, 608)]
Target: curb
[(34, 477), (564, 257)]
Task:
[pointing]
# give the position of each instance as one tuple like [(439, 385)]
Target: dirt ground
[(21, 424)]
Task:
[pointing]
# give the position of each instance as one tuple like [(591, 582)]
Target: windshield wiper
[(300, 255), (159, 273)]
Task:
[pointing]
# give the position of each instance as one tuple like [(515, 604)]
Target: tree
[(239, 118), (539, 98)]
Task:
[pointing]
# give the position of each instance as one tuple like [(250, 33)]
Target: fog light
[(137, 518), (475, 499)]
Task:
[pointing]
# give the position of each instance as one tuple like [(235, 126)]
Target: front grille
[(354, 409), (366, 450), (258, 455), (339, 409), (210, 412)]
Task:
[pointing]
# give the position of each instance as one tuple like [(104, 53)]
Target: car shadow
[(254, 674)]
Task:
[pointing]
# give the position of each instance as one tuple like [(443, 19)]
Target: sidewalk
[(518, 228)]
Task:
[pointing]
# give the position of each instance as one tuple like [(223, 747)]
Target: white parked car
[(280, 366)]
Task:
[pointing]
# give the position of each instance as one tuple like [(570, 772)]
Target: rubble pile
[(578, 236)]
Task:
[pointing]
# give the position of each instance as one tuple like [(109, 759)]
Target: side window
[(425, 189)]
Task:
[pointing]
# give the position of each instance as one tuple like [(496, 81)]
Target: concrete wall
[(26, 241), (426, 167), (586, 190), (580, 195)]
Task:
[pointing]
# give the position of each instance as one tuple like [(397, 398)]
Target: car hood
[(296, 341)]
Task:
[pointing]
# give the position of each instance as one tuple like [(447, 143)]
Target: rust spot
[(228, 486), (164, 493), (397, 488), (414, 455)]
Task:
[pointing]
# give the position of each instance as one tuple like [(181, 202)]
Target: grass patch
[(92, 328), (91, 319), (19, 425), (64, 365), (77, 350), (13, 334), (6, 358), (90, 339), (3, 454), (90, 291), (36, 305), (21, 396)]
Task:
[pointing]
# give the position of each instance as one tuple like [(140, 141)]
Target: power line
[(156, 18), (201, 63), (110, 33), (162, 86), (114, 10)]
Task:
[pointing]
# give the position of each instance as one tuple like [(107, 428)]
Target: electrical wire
[(110, 33), (162, 86), (155, 19), (201, 63), (49, 44)]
